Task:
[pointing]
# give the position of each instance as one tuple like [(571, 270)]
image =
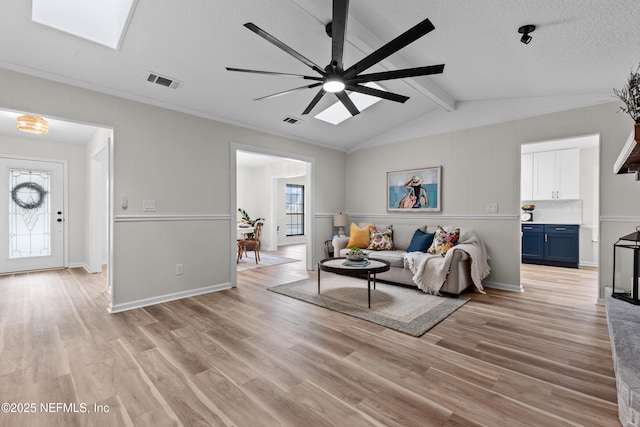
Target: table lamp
[(340, 221)]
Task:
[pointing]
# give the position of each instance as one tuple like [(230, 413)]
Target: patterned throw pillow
[(358, 237), (380, 240), (443, 241)]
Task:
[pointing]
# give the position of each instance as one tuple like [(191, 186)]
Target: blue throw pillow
[(420, 241)]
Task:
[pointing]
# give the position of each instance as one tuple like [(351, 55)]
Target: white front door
[(31, 214)]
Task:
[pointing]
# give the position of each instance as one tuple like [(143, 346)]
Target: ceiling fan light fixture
[(32, 124), (333, 85)]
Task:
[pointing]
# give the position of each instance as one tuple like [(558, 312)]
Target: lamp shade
[(32, 124), (340, 220)]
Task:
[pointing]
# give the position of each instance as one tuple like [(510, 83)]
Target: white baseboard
[(79, 265), (588, 264), (169, 297), (503, 286)]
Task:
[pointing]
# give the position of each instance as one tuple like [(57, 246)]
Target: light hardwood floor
[(249, 357)]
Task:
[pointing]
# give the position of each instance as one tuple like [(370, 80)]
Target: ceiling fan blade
[(398, 74), (268, 37), (275, 95), (346, 101), (378, 93), (313, 102), (273, 73), (338, 31), (393, 46)]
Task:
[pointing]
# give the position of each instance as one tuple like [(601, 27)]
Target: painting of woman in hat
[(416, 193), (415, 190)]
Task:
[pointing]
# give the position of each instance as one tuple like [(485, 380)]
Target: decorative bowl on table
[(355, 254)]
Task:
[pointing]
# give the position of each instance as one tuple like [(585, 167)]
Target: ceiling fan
[(334, 78)]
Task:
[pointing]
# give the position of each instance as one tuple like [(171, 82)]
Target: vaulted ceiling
[(581, 49)]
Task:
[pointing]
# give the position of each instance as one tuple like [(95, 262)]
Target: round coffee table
[(336, 265)]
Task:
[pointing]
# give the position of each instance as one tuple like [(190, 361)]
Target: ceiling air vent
[(164, 80), (291, 120)]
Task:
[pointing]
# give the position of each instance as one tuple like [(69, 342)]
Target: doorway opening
[(278, 187), (559, 202), (80, 222)]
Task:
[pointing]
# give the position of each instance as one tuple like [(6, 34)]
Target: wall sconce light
[(33, 124), (525, 30)]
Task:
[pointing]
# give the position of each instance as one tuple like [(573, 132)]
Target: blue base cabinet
[(532, 242), (551, 244)]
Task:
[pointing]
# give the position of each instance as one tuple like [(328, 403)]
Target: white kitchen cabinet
[(556, 174), (544, 179), (526, 177)]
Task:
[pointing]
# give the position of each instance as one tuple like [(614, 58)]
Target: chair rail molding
[(154, 218), (411, 215)]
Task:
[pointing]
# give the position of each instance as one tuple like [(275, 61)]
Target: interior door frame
[(309, 225), (558, 141), (65, 197)]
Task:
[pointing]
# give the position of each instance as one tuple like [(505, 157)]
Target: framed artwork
[(417, 190)]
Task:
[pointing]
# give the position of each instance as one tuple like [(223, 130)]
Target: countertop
[(550, 223)]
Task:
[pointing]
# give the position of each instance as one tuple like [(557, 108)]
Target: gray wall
[(182, 162), (482, 165)]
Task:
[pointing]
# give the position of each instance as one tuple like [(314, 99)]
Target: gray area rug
[(249, 262), (404, 309)]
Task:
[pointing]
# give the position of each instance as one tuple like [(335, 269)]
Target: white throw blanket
[(430, 271)]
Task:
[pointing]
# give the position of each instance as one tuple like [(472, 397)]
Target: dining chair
[(254, 243)]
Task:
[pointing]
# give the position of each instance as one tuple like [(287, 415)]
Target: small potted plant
[(630, 95), (355, 254)]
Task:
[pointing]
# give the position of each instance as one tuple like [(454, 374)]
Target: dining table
[(242, 231)]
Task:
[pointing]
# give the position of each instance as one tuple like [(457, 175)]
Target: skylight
[(102, 22), (337, 113)]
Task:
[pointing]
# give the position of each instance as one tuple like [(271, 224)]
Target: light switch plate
[(492, 207), (148, 205)]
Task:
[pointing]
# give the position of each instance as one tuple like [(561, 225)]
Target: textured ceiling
[(580, 50)]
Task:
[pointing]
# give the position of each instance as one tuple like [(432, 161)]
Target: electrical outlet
[(492, 207), (179, 269), (148, 205)]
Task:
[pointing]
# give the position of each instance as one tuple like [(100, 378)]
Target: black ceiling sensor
[(334, 77), (525, 30)]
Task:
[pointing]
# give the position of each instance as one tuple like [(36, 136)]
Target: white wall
[(74, 154), (259, 194), (96, 233), (589, 177), (182, 162), (481, 166)]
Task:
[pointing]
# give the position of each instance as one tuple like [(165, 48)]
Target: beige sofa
[(458, 279)]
